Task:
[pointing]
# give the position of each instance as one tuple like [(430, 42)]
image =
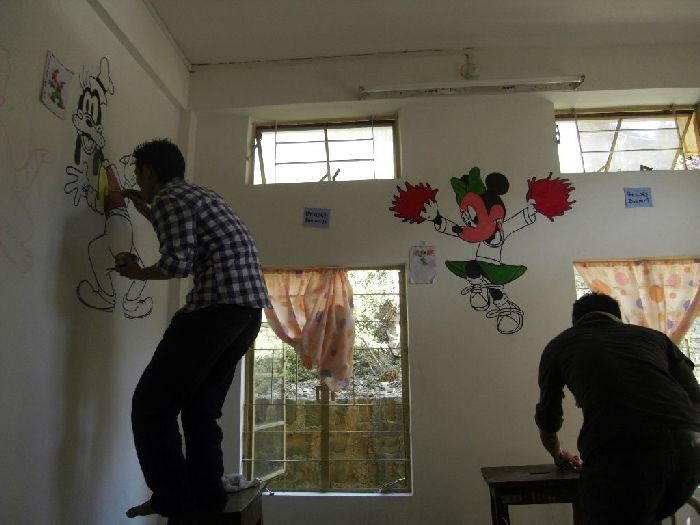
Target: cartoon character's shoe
[(509, 316), (137, 308), (479, 298), (95, 298)]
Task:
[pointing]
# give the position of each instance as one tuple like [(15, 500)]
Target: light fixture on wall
[(473, 87)]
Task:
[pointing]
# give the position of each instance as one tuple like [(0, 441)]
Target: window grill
[(299, 436), (640, 140), (324, 152)]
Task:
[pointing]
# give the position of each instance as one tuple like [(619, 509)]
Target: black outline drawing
[(96, 180)]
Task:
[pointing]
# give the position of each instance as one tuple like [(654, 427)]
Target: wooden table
[(530, 484), (243, 508)]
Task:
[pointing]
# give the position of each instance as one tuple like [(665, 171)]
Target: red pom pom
[(551, 196), (408, 203)]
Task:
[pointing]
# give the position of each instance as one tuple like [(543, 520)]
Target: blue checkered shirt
[(200, 234)]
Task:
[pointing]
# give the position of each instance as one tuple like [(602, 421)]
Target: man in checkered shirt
[(193, 365)]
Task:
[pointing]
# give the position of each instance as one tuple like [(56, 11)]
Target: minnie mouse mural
[(484, 223)]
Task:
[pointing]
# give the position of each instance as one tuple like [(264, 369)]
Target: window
[(299, 436), (690, 345), (324, 152), (598, 141)]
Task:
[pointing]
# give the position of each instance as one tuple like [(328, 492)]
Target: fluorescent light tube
[(471, 87)]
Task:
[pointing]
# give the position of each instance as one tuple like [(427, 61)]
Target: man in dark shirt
[(193, 365), (640, 439)]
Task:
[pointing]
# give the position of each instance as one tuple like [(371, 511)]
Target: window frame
[(692, 112), (254, 152), (685, 345), (324, 397)]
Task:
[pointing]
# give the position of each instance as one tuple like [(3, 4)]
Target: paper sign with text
[(317, 217), (638, 198)]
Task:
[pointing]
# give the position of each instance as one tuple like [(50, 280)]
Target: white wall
[(473, 390), (67, 372)]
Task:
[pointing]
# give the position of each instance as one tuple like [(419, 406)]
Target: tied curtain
[(659, 294), (312, 312)]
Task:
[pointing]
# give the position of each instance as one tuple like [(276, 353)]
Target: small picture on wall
[(57, 78), (421, 263)]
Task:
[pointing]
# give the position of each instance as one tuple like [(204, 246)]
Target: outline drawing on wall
[(57, 79), (484, 223), (96, 180), (16, 224)]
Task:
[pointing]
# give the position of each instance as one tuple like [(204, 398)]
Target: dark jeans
[(642, 479), (189, 375)]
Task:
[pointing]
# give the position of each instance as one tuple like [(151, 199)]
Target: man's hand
[(567, 461), (139, 202), (130, 269), (563, 459)]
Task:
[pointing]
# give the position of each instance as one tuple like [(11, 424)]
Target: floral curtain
[(660, 294), (312, 311)]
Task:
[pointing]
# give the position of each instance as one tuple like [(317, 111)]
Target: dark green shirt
[(625, 378)]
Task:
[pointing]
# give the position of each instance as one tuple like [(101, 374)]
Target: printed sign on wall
[(317, 217), (638, 198)]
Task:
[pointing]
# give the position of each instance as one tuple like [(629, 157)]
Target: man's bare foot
[(144, 509)]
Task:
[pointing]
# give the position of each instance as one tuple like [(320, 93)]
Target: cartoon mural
[(96, 180), (16, 224), (484, 223)]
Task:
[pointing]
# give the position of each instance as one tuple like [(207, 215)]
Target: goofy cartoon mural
[(484, 223), (96, 180)]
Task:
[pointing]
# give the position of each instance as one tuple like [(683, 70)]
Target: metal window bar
[(628, 150), (374, 154), (330, 141), (681, 142), (261, 162), (580, 147), (293, 162), (328, 156), (606, 166)]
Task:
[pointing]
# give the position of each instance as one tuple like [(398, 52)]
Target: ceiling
[(225, 31)]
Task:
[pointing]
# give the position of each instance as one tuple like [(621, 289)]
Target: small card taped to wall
[(421, 264), (638, 198), (317, 218)]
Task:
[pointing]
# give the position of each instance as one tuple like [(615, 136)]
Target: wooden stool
[(243, 508), (530, 484)]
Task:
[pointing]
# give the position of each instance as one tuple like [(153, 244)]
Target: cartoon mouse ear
[(497, 183)]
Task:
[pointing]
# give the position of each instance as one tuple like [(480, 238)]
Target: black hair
[(163, 157), (595, 302)]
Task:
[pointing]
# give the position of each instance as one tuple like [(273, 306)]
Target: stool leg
[(499, 511)]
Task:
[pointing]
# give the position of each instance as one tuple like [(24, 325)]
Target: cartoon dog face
[(87, 118)]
